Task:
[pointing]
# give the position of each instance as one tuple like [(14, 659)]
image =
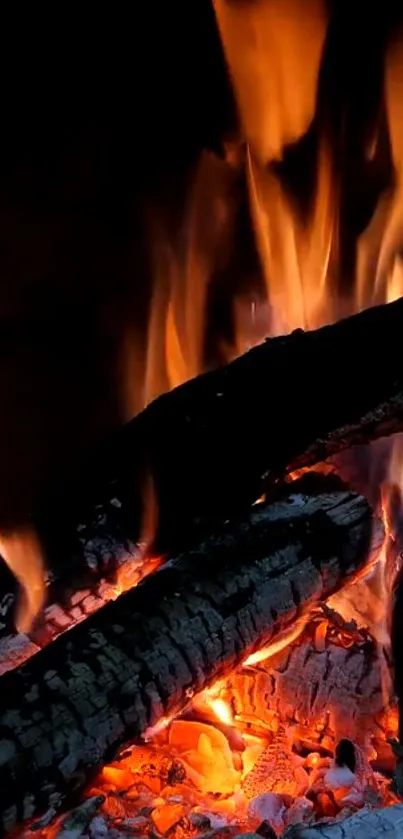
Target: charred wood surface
[(71, 607), (213, 445), (367, 824), (140, 658), (85, 561), (328, 684), (206, 450)]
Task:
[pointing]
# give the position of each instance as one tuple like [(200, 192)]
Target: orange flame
[(273, 51), (283, 641), (22, 553), (183, 268)]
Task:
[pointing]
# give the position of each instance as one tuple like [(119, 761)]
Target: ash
[(293, 746)]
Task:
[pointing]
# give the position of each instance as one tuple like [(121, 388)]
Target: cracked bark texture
[(367, 824), (139, 659), (75, 606), (83, 554), (273, 401)]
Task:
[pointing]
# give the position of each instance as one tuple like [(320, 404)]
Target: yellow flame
[(221, 709), (283, 641)]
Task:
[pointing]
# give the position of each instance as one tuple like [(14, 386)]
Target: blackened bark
[(139, 659), (328, 686), (210, 447), (213, 445)]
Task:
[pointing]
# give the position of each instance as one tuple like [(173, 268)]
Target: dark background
[(99, 112)]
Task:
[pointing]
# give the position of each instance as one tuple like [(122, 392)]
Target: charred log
[(328, 684), (213, 445), (139, 659), (69, 606), (91, 559)]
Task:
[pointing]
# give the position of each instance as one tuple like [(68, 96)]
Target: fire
[(222, 710), (201, 765), (23, 554), (381, 243), (283, 641), (244, 752), (274, 51)]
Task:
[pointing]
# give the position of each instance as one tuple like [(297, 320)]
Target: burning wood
[(135, 664), (197, 477), (71, 606), (193, 779), (97, 520), (324, 686)]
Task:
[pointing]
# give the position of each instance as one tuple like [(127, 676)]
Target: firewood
[(71, 606), (204, 451), (324, 686), (366, 824), (213, 445), (137, 661)]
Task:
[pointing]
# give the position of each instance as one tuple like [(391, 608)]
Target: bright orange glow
[(273, 50), (241, 738), (23, 554), (294, 255), (272, 649), (222, 710), (183, 264), (130, 574)]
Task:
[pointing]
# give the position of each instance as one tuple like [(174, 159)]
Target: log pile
[(213, 446), (238, 575), (138, 660)]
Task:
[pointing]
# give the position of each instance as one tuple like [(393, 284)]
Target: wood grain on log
[(139, 659), (212, 446)]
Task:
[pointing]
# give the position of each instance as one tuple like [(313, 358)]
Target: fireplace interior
[(201, 521)]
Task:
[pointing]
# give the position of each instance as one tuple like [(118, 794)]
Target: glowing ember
[(274, 742)]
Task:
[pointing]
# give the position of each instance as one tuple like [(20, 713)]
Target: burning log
[(213, 445), (137, 661), (324, 686), (69, 606), (182, 446)]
